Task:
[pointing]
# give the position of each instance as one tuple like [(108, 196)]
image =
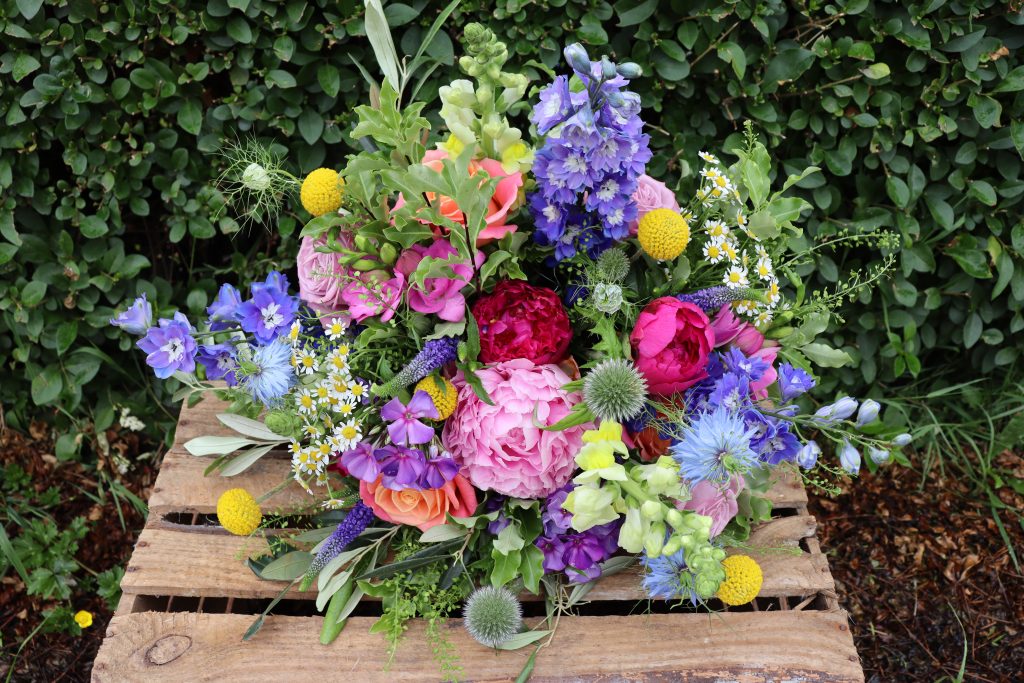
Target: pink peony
[(651, 194), (671, 342), (374, 294), (322, 276), (503, 202), (718, 504), (501, 447), (440, 296)]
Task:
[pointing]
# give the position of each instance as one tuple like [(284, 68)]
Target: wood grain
[(740, 647)]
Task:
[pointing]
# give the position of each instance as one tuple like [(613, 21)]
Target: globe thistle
[(612, 266), (615, 390), (492, 615)]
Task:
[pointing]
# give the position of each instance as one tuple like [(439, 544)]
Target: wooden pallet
[(188, 598)]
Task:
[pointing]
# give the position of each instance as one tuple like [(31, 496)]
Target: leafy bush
[(113, 111)]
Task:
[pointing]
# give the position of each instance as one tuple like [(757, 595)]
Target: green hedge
[(115, 110)]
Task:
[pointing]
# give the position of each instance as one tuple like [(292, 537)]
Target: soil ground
[(921, 567)]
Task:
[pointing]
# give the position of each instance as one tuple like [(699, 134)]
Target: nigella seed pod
[(255, 177)]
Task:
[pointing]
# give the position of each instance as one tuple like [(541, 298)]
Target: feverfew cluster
[(594, 152)]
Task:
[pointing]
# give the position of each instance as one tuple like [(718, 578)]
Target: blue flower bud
[(901, 440), (849, 457), (807, 457), (838, 411), (577, 57), (630, 70), (868, 412), (878, 456), (607, 68)]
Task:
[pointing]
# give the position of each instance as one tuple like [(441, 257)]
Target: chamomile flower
[(763, 318), (722, 182), (358, 389), (764, 268), (710, 173), (344, 406), (713, 251), (333, 504), (708, 157), (350, 434), (323, 453), (293, 333), (774, 295), (736, 277), (744, 306), (337, 363), (729, 249), (294, 447), (306, 461), (306, 362), (335, 328), (306, 402), (741, 218), (313, 431), (716, 229), (322, 393)]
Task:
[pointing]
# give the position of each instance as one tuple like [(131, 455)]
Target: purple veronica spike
[(436, 353), (358, 518), (713, 298), (137, 319), (170, 347)]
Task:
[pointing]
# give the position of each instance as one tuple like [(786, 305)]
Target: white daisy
[(774, 295), (736, 278), (713, 251), (716, 229), (763, 318), (349, 433), (764, 268), (335, 328), (293, 333), (708, 158), (306, 362), (305, 402)]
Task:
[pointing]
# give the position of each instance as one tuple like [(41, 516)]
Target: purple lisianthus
[(224, 308), (137, 318), (793, 382), (402, 467), (170, 347), (405, 428), (219, 361)]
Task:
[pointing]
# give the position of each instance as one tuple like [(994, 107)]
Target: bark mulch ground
[(920, 565)]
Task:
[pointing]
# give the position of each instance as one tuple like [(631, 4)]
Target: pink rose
[(374, 294), (671, 342), (501, 447), (651, 194), (322, 276), (718, 504), (504, 200), (440, 296)]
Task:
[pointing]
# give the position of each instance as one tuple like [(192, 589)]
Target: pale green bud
[(255, 177), (654, 540), (672, 546), (675, 518), (631, 535), (388, 253), (653, 510)]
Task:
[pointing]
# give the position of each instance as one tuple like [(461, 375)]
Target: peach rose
[(505, 200), (420, 508)]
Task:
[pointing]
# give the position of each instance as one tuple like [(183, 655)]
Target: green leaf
[(520, 640), (532, 568), (1013, 81), (876, 71), (93, 226), (288, 567), (244, 460), (442, 532), (47, 385), (506, 567), (238, 29), (970, 258), (986, 110), (636, 14), (898, 191), (24, 64), (826, 356), (982, 191), (190, 116), (788, 65), (281, 79), (383, 45), (731, 53), (29, 8), (67, 332), (329, 78), (398, 14), (311, 125)]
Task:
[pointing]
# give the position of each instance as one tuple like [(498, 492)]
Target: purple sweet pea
[(219, 361), (405, 428), (401, 467), (170, 347), (554, 553), (224, 308), (793, 382), (137, 319), (361, 462), (271, 311)]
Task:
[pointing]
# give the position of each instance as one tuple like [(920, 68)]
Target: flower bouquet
[(514, 361)]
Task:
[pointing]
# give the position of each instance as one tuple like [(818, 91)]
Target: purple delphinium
[(436, 353), (271, 310), (588, 167), (793, 382), (713, 298), (219, 361), (170, 347), (137, 319), (732, 391), (807, 457), (402, 467), (224, 308), (355, 522), (781, 445), (753, 368), (405, 428)]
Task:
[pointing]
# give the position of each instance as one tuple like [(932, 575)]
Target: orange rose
[(420, 508)]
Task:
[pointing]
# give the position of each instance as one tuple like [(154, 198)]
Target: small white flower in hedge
[(305, 402)]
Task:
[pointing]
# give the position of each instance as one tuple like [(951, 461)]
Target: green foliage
[(113, 114)]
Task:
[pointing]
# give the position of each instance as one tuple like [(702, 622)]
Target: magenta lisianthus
[(717, 503), (502, 447), (651, 194), (440, 296)]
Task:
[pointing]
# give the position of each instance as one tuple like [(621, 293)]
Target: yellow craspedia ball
[(663, 233), (742, 580), (238, 512), (321, 191), (442, 393)]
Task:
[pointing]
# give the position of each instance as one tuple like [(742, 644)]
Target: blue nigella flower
[(793, 382), (219, 361), (270, 375), (170, 347), (668, 577), (137, 319), (715, 446)]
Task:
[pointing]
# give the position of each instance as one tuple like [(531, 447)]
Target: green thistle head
[(254, 183), (612, 266), (615, 390), (492, 615)]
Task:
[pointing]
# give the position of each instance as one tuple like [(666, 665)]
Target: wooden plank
[(206, 561), (735, 647)]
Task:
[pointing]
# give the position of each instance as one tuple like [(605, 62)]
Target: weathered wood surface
[(740, 647), (181, 486)]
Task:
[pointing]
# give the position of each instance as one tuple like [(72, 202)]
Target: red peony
[(671, 343), (519, 320)]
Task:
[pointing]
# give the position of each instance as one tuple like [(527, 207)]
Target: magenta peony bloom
[(322, 277), (501, 447), (651, 194), (440, 296), (711, 501), (671, 342), (373, 294)]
